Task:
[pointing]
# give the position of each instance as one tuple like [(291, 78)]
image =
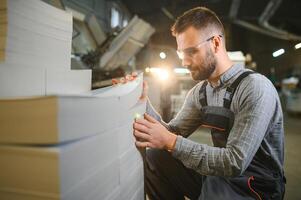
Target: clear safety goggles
[(190, 51)]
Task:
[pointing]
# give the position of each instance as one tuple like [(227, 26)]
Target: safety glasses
[(190, 51)]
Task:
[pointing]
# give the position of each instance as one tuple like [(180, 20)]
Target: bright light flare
[(181, 71), (164, 75), (138, 116), (161, 74)]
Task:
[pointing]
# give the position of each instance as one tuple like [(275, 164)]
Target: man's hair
[(200, 18)]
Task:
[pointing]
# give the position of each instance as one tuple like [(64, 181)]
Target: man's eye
[(191, 52)]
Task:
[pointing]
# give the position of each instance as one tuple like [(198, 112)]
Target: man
[(242, 109)]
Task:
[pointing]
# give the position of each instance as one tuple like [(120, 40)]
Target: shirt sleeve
[(187, 119), (254, 104)]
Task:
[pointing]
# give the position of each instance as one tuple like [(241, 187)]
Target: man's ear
[(217, 44)]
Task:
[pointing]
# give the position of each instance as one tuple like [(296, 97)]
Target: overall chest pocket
[(220, 120)]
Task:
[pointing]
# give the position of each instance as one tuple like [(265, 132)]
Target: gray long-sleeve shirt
[(258, 125)]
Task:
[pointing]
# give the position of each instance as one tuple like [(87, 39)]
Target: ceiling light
[(278, 52), (297, 46), (162, 55)]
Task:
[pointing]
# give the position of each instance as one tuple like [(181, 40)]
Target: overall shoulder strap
[(231, 89), (203, 95)]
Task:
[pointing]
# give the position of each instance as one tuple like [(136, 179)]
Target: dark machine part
[(91, 59), (101, 78)]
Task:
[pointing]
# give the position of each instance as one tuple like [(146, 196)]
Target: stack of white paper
[(76, 144), (29, 81), (3, 28), (60, 82), (38, 32), (36, 40), (56, 119), (15, 81), (84, 146)]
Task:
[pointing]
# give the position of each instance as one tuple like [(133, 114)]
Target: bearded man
[(241, 108)]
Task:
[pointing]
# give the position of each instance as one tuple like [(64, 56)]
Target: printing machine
[(107, 55)]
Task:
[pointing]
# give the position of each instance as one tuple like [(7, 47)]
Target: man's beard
[(203, 70)]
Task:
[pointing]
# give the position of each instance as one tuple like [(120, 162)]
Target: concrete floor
[(292, 154), (293, 157)]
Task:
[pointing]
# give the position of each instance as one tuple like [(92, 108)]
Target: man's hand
[(151, 133), (131, 77), (125, 79)]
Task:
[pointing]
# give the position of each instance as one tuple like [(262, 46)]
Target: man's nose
[(186, 61)]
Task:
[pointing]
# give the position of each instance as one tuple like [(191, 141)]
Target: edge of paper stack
[(59, 139)]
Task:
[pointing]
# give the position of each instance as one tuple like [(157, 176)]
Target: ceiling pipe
[(234, 9), (266, 15), (167, 13), (264, 31), (265, 27)]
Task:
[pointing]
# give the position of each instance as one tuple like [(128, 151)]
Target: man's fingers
[(125, 79), (115, 81), (143, 144), (140, 127), (129, 77), (144, 122), (134, 74), (141, 136), (150, 118)]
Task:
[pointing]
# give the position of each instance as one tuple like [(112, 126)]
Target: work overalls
[(257, 182)]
